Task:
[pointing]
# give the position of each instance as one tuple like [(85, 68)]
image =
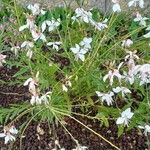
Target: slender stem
[(88, 129), (28, 125), (20, 115), (65, 128), (16, 11), (17, 94)]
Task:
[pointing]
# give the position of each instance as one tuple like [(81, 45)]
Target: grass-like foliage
[(77, 63)]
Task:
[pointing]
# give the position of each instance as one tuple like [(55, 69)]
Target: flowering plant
[(66, 57)]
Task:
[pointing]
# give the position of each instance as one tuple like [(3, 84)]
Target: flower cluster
[(132, 3), (66, 84), (116, 6), (82, 48), (54, 45), (30, 23), (113, 73), (136, 3), (106, 97), (36, 32), (27, 45), (138, 17), (9, 133), (128, 70), (146, 129), (125, 117), (35, 9), (135, 72), (52, 24), (86, 16), (35, 98)]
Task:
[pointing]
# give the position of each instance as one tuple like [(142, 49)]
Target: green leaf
[(21, 71), (102, 118), (120, 130)]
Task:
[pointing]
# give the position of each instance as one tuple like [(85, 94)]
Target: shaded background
[(103, 5)]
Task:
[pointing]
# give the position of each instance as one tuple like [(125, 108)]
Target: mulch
[(45, 139)]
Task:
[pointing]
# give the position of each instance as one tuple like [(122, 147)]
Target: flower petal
[(2, 135), (23, 27), (7, 138), (82, 57), (27, 81), (117, 89), (99, 94), (33, 100), (43, 26), (147, 35), (120, 120), (13, 130)]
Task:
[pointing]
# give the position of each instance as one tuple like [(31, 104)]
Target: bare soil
[(33, 139)]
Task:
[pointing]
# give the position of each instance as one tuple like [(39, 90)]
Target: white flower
[(55, 45), (80, 148), (131, 55), (113, 73), (30, 24), (140, 19), (74, 18), (32, 85), (15, 49), (35, 100), (106, 97), (143, 72), (101, 25), (83, 15), (38, 35), (64, 88), (125, 117), (57, 145), (35, 9), (66, 84), (128, 77), (131, 64), (9, 134), (134, 3), (86, 43), (146, 129), (28, 45), (53, 24), (116, 6), (123, 90), (79, 52), (148, 34), (82, 48), (2, 59), (127, 43), (86, 16), (45, 98), (29, 54), (132, 73), (39, 100)]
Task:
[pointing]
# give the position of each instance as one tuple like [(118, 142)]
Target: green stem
[(88, 129)]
